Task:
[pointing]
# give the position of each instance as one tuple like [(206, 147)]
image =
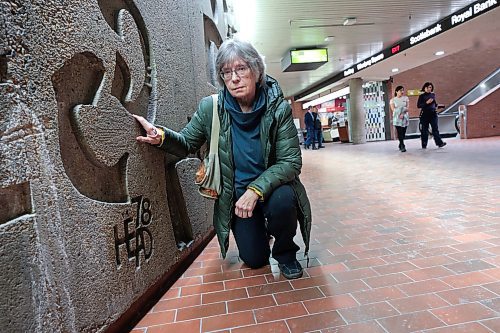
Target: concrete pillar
[(357, 112)]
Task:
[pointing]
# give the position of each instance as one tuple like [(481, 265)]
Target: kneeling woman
[(260, 160)]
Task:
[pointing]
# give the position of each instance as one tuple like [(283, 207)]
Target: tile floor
[(401, 242)]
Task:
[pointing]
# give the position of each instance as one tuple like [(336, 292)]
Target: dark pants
[(310, 137), (401, 135), (319, 137), (251, 234), (431, 119)]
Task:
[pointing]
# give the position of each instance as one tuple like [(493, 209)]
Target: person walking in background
[(309, 122), (318, 133), (400, 119), (260, 160), (428, 115)]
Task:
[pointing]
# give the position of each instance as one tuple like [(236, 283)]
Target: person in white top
[(400, 117)]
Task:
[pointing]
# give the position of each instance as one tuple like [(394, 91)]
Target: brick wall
[(298, 112), (451, 75), (483, 118)]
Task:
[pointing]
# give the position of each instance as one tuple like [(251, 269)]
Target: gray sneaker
[(291, 270)]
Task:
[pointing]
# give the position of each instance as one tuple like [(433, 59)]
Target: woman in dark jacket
[(260, 160), (428, 105)]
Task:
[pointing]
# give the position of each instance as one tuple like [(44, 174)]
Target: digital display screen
[(309, 56)]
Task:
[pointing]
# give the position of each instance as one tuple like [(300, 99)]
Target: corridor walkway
[(401, 242)]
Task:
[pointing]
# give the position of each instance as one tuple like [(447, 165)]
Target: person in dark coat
[(311, 134), (318, 130), (428, 115), (260, 160)]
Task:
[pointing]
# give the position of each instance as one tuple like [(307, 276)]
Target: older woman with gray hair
[(260, 160)]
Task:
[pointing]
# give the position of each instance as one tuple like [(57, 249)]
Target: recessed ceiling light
[(394, 70), (438, 53), (329, 38)]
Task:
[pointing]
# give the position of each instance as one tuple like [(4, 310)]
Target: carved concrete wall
[(89, 219)]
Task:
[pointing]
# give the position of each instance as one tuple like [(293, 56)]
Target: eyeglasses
[(240, 71)]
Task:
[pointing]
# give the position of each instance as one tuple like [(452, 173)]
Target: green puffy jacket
[(282, 157)]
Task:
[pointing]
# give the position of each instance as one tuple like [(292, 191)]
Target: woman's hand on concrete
[(152, 134)]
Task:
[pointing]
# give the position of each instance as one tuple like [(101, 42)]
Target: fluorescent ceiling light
[(350, 21), (329, 38), (438, 53), (394, 70), (326, 98)]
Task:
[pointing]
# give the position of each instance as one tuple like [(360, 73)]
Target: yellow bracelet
[(162, 133), (259, 193)]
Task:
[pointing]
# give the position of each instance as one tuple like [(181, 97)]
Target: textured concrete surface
[(87, 224)]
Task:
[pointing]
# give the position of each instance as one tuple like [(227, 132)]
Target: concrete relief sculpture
[(89, 219)]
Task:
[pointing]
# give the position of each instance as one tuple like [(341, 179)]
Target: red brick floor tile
[(411, 322), (424, 287), (260, 271), (326, 269), (188, 281), (368, 312), (138, 330), (418, 303), (315, 322), (367, 327), (298, 295), (494, 273), (202, 271), (478, 236), (269, 288), (387, 280), (245, 282), (274, 327), (172, 293), (462, 328), (202, 288), (250, 303), (433, 261), (469, 266), (226, 295), (494, 287), (222, 276), (285, 311), (463, 313), (477, 245), (493, 304), (227, 321), (429, 273), (330, 303), (378, 295), (200, 311), (344, 287), (312, 282), (362, 263), (492, 324), (395, 268), (192, 326), (354, 274), (470, 255), (176, 303), (157, 318), (466, 295), (468, 279)]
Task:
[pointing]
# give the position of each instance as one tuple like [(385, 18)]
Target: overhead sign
[(309, 56), (465, 14), (304, 59)]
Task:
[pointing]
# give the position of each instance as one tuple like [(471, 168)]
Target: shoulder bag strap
[(214, 136)]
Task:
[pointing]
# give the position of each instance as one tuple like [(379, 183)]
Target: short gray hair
[(233, 49)]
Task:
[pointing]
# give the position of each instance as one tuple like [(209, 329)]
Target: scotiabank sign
[(449, 22), (465, 14)]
